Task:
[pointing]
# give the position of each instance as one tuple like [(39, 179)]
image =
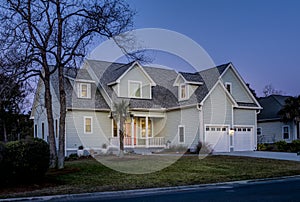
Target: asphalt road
[(266, 190)]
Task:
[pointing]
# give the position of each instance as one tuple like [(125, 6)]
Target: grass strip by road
[(88, 175)]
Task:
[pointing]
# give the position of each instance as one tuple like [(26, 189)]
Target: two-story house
[(166, 107)]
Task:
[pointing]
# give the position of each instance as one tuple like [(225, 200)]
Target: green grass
[(89, 175)]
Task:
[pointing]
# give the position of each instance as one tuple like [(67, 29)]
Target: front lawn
[(88, 175)]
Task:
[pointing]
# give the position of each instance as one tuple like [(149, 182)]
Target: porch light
[(231, 131)]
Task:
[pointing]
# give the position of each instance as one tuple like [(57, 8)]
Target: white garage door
[(243, 138), (217, 137)]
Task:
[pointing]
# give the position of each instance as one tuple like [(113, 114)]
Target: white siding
[(135, 74), (101, 129), (244, 117), (217, 108), (189, 118), (238, 91)]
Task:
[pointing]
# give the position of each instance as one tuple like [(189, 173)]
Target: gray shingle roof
[(164, 94), (271, 106)]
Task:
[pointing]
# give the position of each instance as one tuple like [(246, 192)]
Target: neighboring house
[(167, 107), (270, 127)]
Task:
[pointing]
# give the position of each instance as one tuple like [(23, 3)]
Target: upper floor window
[(135, 89), (286, 132), (84, 90), (183, 92), (228, 87)]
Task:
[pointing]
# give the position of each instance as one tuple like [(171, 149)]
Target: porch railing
[(131, 142)]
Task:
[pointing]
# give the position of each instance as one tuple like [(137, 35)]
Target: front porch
[(139, 131), (131, 142)]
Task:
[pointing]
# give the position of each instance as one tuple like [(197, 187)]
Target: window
[(143, 127), (228, 87), (35, 130), (115, 129), (84, 90), (182, 92), (43, 130), (286, 132), (181, 134), (88, 124), (56, 128), (135, 89)]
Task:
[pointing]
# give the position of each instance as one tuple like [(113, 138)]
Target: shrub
[(295, 146), (27, 159), (261, 147), (282, 146)]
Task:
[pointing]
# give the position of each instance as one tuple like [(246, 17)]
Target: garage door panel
[(243, 139), (217, 137)]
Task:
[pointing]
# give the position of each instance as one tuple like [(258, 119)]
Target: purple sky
[(260, 37)]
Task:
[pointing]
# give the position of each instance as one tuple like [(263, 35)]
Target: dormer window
[(84, 90), (183, 92), (135, 89), (228, 87)]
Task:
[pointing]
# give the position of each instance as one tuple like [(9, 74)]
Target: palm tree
[(291, 111), (120, 114)]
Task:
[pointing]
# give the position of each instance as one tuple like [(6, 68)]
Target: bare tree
[(270, 90), (42, 37)]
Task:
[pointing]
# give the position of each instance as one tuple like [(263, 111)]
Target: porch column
[(147, 138), (132, 131)]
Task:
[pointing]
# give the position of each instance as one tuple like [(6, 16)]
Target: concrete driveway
[(264, 154)]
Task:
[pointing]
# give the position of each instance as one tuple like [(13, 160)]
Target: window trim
[(289, 132), (180, 98), (230, 87), (181, 126), (129, 89), (88, 88), (84, 124)]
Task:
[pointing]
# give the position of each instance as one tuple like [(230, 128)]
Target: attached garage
[(243, 138), (217, 137)]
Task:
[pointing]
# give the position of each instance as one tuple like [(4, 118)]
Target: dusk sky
[(261, 38)]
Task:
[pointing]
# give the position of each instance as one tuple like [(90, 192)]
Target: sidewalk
[(264, 154)]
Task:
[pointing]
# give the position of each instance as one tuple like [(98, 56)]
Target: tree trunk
[(62, 121), (48, 106), (62, 93), (121, 154)]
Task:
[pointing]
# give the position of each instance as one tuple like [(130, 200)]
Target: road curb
[(149, 191)]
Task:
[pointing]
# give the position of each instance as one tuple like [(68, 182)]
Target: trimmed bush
[(282, 146), (26, 160), (295, 146), (261, 147)]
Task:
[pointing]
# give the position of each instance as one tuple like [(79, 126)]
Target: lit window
[(286, 132), (84, 90), (228, 87), (181, 134), (88, 124), (182, 92), (135, 89)]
